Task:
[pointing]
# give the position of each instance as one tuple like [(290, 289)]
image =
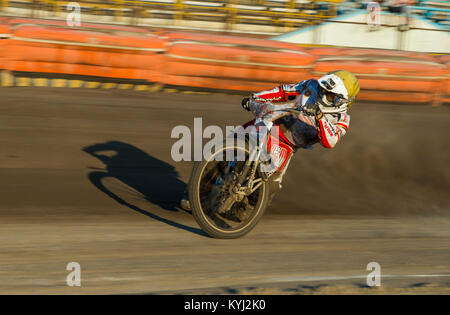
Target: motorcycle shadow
[(149, 177)]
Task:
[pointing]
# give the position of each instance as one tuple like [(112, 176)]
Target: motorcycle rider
[(324, 118)]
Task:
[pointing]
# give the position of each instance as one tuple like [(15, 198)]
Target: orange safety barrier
[(214, 61), (394, 96), (387, 75), (232, 63), (445, 60), (4, 35), (218, 83), (4, 28), (336, 51), (87, 37), (225, 39), (39, 48), (15, 22)]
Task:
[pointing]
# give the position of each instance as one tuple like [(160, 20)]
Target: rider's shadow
[(153, 179)]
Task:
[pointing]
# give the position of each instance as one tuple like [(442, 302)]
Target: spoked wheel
[(217, 207)]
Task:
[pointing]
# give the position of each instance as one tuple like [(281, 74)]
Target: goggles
[(332, 100)]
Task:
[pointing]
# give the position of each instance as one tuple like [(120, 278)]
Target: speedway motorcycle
[(229, 190)]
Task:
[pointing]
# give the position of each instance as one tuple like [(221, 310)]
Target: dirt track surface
[(87, 177)]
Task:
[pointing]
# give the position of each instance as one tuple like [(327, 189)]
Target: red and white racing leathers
[(303, 130), (300, 129)]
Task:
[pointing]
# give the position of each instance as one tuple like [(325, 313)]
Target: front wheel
[(220, 212)]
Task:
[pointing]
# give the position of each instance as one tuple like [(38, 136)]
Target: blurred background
[(259, 17), (262, 17), (383, 42)]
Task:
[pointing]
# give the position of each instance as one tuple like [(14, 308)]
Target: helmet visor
[(331, 99)]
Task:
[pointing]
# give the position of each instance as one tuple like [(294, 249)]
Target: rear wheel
[(220, 211)]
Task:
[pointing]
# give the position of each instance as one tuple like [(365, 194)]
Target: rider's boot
[(185, 203), (275, 183), (274, 187)]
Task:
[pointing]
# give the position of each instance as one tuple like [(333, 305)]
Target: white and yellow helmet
[(339, 90)]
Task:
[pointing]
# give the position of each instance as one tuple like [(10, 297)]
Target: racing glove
[(246, 104), (313, 109)]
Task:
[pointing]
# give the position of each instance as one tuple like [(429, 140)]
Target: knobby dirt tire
[(207, 223)]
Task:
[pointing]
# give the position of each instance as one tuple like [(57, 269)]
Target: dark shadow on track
[(156, 180)]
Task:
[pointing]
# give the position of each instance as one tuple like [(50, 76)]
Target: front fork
[(239, 190), (262, 131)]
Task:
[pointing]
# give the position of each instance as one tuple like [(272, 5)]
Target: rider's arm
[(282, 93), (332, 128)]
